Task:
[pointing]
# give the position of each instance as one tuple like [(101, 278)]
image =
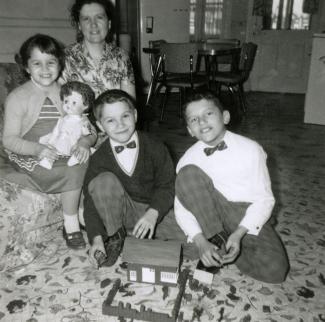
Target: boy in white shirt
[(224, 196)]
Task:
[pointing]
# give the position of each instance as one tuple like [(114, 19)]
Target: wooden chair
[(148, 110), (178, 71), (235, 79)]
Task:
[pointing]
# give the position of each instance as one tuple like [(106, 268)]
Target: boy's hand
[(98, 244), (233, 245), (146, 223), (208, 252)]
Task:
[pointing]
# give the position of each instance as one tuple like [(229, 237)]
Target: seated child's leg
[(112, 202), (70, 204), (195, 190), (263, 257), (71, 232)]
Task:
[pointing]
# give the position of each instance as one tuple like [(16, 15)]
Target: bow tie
[(120, 148), (219, 147)]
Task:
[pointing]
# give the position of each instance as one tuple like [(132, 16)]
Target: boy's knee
[(105, 182), (191, 178), (189, 171), (277, 272)]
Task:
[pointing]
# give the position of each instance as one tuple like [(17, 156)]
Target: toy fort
[(152, 261), (153, 274), (114, 305)]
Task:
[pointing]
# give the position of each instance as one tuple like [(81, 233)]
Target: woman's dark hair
[(46, 44), (112, 96), (87, 94), (75, 16)]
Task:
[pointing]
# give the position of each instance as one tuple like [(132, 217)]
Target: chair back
[(247, 58), (177, 56)]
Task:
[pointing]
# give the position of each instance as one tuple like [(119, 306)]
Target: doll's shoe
[(74, 240), (72, 161), (45, 163), (114, 246)]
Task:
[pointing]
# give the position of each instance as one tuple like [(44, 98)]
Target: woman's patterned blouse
[(114, 68)]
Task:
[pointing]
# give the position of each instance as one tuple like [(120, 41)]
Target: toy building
[(152, 261)]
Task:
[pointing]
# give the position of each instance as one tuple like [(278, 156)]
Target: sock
[(71, 223)]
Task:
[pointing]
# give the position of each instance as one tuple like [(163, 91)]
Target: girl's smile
[(43, 68)]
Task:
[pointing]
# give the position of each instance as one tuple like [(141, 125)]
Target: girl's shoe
[(74, 240)]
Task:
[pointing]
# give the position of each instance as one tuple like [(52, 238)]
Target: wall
[(20, 19), (238, 20), (318, 20)]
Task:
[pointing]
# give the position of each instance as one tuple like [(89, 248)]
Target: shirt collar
[(134, 137), (225, 138)]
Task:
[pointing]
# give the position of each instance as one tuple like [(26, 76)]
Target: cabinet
[(315, 96)]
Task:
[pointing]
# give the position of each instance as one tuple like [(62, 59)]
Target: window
[(282, 14), (168, 277), (205, 19), (288, 14)]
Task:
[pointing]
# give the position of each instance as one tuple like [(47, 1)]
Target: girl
[(32, 110)]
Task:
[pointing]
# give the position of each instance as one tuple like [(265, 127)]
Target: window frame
[(198, 28)]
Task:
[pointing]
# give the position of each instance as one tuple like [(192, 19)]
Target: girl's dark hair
[(75, 16), (88, 96), (46, 44), (204, 95), (112, 96)]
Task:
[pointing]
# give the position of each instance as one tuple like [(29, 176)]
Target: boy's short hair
[(206, 95), (112, 96), (88, 95)]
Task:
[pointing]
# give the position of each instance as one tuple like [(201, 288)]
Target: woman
[(94, 59)]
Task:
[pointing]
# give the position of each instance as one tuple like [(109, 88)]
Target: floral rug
[(60, 285)]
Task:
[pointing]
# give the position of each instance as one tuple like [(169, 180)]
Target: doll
[(76, 97)]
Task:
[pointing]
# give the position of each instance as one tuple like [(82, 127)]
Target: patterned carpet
[(60, 285)]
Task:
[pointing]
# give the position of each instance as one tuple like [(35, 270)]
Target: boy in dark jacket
[(129, 184)]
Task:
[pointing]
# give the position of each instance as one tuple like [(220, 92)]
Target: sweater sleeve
[(164, 186), (13, 124)]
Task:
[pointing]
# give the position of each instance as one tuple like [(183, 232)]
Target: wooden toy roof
[(151, 252)]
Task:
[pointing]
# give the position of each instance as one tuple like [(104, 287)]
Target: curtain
[(205, 19)]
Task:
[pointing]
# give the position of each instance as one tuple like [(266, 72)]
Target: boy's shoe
[(74, 240), (114, 246), (220, 240)]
